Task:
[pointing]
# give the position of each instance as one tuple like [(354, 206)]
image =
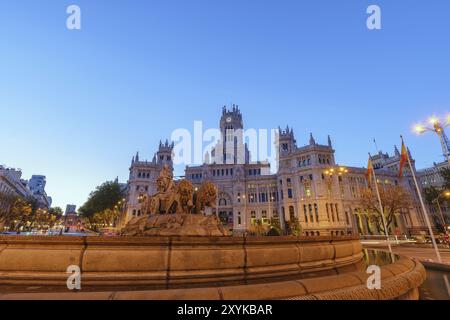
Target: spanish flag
[(369, 173), (403, 159)]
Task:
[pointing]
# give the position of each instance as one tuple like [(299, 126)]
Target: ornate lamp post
[(438, 128)]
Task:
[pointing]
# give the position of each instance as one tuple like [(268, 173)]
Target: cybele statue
[(177, 210)]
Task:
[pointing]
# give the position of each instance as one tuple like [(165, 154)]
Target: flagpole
[(382, 211), (430, 229)]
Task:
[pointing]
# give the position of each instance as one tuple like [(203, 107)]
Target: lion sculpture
[(206, 197), (179, 197)]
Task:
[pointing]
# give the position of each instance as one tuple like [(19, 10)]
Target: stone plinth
[(175, 225)]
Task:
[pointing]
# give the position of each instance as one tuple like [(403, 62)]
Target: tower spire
[(312, 141)]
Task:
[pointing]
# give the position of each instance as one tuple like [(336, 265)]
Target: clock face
[(228, 119)]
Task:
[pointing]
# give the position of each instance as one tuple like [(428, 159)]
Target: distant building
[(431, 177), (72, 222), (70, 208), (37, 185)]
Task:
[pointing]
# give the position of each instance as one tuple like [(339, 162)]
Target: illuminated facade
[(309, 185)]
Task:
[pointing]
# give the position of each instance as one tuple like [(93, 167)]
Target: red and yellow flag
[(403, 160), (369, 173)]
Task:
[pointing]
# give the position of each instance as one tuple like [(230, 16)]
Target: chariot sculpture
[(177, 209)]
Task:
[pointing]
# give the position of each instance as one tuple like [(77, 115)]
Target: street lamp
[(338, 170), (437, 126), (447, 195)]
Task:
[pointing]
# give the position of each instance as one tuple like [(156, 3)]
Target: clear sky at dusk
[(76, 105)]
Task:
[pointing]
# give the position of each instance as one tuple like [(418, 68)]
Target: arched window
[(222, 202), (291, 212)]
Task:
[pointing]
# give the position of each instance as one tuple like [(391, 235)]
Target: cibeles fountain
[(177, 209), (179, 251)]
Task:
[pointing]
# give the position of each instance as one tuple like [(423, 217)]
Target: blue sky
[(76, 105)]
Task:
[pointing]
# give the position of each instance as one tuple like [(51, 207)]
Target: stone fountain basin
[(200, 267)]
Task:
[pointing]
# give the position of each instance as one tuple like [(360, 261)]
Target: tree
[(56, 211), (21, 212), (293, 227), (275, 227), (17, 212), (6, 203), (101, 208), (46, 219), (395, 201), (258, 228), (431, 194), (434, 197)]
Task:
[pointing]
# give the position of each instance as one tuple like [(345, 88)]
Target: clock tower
[(231, 149)]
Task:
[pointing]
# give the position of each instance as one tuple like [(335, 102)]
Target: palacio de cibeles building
[(309, 185)]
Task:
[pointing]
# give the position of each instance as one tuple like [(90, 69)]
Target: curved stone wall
[(172, 262), (400, 281)]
